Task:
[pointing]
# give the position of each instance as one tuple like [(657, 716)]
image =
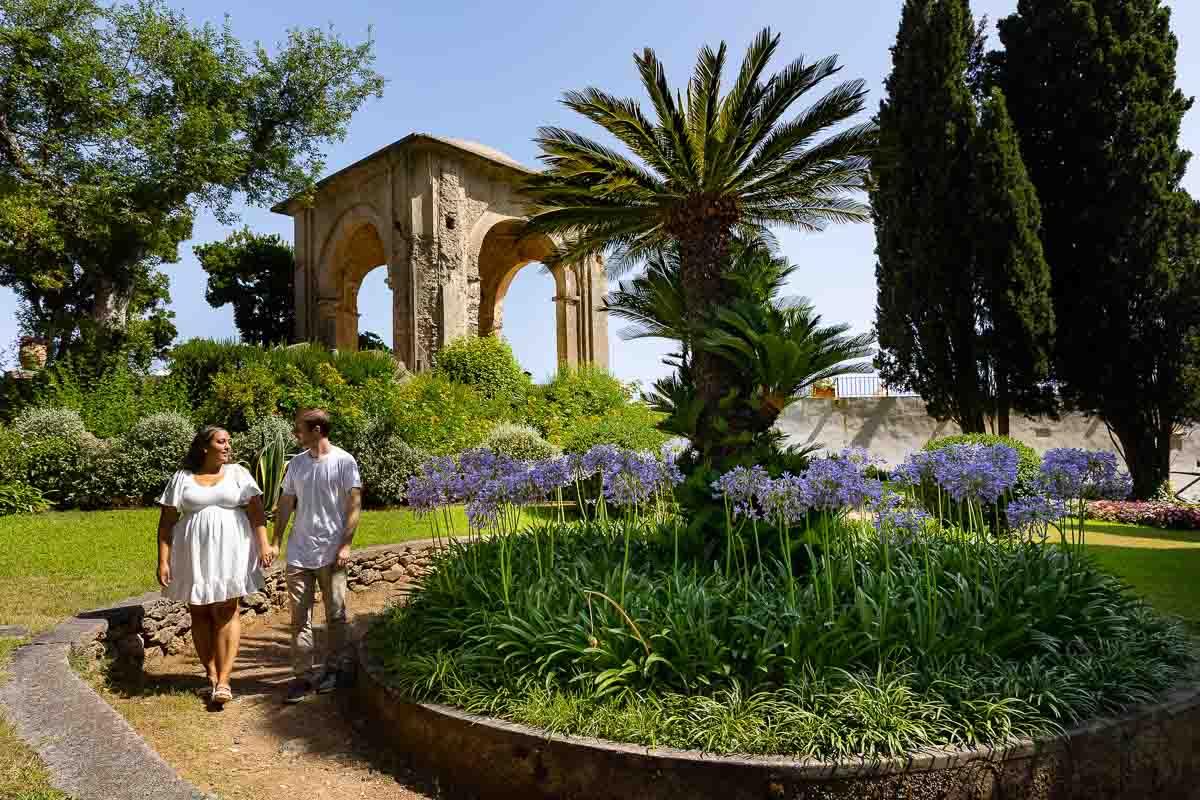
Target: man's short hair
[(315, 419)]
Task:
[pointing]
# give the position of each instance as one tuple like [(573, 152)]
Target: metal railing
[(862, 386)]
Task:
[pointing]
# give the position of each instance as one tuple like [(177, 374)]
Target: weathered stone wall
[(151, 626), (893, 427)]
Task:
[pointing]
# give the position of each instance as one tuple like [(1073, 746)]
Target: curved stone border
[(1151, 752), (92, 753)]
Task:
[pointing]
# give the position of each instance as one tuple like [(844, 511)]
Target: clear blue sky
[(494, 72)]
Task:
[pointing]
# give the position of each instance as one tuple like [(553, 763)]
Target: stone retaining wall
[(1152, 752), (151, 626)]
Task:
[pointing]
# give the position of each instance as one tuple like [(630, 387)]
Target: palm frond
[(704, 104), (672, 124)]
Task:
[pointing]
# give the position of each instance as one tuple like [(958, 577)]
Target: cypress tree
[(1091, 90), (1017, 313), (963, 314), (925, 313)]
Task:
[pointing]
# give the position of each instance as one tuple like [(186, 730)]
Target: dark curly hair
[(194, 459)]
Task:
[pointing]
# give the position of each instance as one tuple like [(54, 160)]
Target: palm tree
[(776, 347), (710, 167)]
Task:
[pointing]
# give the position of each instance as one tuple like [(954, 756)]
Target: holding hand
[(343, 556), (268, 555), (164, 574)]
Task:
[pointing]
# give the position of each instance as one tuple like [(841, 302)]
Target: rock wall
[(151, 626)]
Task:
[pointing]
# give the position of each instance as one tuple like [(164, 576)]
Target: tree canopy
[(712, 164), (1099, 124), (118, 123), (963, 311), (256, 274)]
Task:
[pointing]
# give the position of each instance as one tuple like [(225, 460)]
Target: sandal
[(206, 692), (222, 694)]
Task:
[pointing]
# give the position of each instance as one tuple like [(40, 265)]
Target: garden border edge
[(1107, 757)]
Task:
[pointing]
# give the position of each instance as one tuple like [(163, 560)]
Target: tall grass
[(870, 646)]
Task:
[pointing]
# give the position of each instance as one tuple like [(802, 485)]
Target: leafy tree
[(370, 340), (1091, 89), (117, 123), (963, 314), (256, 273), (709, 166)]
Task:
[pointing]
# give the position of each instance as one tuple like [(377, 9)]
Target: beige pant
[(302, 584)]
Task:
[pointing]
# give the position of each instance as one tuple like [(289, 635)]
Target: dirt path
[(257, 748)]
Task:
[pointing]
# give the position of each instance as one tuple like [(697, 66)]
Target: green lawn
[(1162, 566), (54, 565)]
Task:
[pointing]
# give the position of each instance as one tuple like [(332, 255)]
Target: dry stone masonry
[(151, 626)]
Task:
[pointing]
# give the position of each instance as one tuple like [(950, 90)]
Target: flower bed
[(804, 632), (1155, 514)]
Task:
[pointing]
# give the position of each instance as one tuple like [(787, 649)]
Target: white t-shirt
[(321, 487)]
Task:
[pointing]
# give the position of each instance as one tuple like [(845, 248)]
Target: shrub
[(41, 424), (633, 427), (12, 456), (520, 441), (1028, 461), (486, 363), (385, 466), (240, 396), (261, 432), (1154, 514), (575, 392), (20, 498), (443, 417), (149, 454)]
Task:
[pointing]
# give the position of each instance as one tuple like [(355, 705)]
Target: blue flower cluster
[(1069, 473), (896, 515), (487, 482), (967, 472), (828, 484)]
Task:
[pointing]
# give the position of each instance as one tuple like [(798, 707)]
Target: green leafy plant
[(634, 426), (20, 498), (698, 657), (519, 441), (486, 363), (443, 417), (386, 462)]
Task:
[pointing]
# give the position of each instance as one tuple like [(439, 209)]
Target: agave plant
[(272, 453)]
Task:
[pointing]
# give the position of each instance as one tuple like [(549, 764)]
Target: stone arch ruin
[(445, 217)]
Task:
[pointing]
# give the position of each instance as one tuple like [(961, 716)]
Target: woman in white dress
[(212, 549)]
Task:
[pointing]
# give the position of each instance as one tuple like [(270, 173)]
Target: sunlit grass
[(57, 564)]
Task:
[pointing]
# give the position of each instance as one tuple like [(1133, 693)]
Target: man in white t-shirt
[(323, 486)]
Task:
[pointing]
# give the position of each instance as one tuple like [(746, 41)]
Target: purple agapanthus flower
[(741, 487), (1071, 473), (894, 516), (831, 484), (1035, 511), (981, 473)]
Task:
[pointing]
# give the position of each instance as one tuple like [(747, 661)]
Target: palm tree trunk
[(704, 243)]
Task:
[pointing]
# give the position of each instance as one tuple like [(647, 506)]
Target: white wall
[(892, 427)]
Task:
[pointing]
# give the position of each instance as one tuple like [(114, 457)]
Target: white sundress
[(214, 555)]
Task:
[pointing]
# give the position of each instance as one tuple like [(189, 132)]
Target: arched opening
[(506, 252), (357, 255)]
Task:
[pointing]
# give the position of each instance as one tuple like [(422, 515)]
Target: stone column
[(326, 329), (566, 316)]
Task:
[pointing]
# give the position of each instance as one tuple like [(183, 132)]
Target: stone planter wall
[(151, 626), (1152, 753)]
